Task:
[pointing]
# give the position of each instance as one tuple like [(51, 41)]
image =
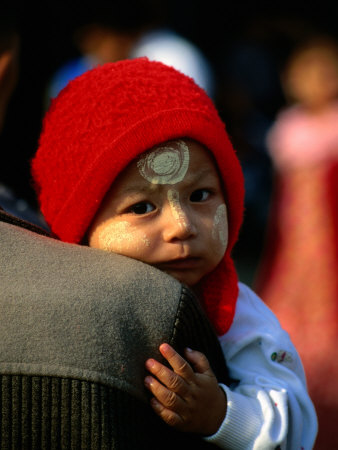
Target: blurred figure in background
[(108, 31), (9, 49), (298, 276), (9, 72), (248, 80)]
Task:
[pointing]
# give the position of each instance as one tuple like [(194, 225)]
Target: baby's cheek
[(220, 229), (121, 238)]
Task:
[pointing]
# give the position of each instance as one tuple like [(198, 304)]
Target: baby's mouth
[(187, 263)]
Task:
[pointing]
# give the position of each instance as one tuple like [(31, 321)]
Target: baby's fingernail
[(150, 363), (188, 349), (165, 347), (155, 404), (147, 381)]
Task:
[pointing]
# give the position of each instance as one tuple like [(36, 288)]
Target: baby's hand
[(187, 400)]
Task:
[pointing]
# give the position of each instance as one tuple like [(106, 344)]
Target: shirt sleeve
[(268, 405)]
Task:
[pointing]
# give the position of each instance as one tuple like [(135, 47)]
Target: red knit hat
[(105, 118)]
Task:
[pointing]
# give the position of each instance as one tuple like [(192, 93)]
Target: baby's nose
[(179, 223)]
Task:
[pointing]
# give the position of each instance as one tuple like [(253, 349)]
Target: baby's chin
[(190, 280)]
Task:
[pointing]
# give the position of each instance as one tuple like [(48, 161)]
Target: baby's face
[(312, 79), (168, 210)]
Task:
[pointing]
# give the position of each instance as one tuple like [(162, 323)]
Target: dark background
[(246, 43)]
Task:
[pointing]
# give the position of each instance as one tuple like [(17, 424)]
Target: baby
[(134, 159)]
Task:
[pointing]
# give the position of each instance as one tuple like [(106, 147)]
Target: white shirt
[(269, 405)]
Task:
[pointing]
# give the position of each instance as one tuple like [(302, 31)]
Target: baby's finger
[(167, 377), (166, 397), (199, 361), (170, 417), (179, 364)]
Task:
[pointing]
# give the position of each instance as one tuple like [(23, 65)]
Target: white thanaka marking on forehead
[(167, 164), (176, 208), (220, 227), (121, 236)]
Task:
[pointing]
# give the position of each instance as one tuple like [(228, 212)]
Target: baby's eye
[(141, 208), (200, 195)]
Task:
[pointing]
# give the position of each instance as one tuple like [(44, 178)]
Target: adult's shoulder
[(82, 310), (83, 315)]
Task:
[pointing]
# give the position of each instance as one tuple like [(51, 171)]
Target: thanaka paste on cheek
[(166, 164), (176, 209), (121, 237), (220, 227)]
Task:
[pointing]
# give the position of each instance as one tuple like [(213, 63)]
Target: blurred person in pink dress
[(298, 274)]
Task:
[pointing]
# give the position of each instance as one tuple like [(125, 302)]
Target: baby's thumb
[(199, 361)]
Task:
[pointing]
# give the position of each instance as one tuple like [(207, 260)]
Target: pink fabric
[(300, 138)]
